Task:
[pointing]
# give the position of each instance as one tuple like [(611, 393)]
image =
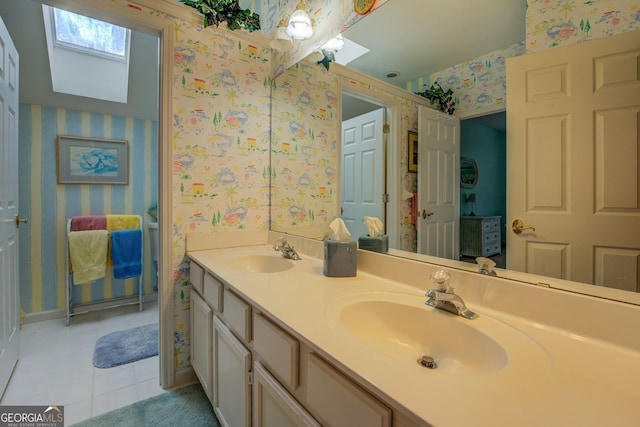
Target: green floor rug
[(186, 406)]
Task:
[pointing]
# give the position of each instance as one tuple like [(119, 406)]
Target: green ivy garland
[(438, 95), (217, 11)]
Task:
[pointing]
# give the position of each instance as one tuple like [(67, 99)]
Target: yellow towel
[(88, 255), (122, 222)]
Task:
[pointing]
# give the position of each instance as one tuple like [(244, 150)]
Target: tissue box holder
[(340, 258), (375, 244)]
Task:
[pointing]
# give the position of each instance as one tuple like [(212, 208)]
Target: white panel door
[(573, 162), (362, 171), (438, 220), (9, 272)]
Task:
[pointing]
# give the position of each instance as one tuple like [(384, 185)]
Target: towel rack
[(76, 309)]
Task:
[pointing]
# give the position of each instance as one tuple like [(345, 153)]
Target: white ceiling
[(419, 37)]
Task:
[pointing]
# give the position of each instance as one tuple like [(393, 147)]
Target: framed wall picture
[(83, 160), (413, 152)]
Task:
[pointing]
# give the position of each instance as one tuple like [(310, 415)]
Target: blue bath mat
[(126, 346)]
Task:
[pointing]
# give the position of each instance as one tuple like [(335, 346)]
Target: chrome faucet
[(444, 298), (485, 266), (287, 250)]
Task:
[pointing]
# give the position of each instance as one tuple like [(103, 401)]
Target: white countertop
[(577, 380)]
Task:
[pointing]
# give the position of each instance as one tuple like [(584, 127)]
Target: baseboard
[(183, 377), (61, 313)]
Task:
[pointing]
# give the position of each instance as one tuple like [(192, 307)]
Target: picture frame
[(85, 160), (412, 158)]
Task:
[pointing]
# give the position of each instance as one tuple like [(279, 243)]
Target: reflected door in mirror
[(438, 188), (362, 171), (585, 220)]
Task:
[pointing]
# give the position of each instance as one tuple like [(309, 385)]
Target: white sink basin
[(401, 327), (261, 263)]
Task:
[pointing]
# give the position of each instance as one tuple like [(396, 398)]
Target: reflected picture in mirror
[(413, 152)]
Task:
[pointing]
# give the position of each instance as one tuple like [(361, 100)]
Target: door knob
[(425, 214), (518, 227), (20, 220)]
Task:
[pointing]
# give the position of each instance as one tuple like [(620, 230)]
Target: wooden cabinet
[(232, 370), (278, 350), (480, 236), (338, 401), (273, 405), (258, 373), (201, 351)]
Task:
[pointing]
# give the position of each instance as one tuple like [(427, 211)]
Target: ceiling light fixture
[(282, 40), (300, 26), (334, 45)]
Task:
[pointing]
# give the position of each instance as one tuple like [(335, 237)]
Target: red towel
[(88, 222), (414, 208)]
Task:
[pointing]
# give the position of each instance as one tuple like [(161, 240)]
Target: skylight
[(82, 32), (87, 57)]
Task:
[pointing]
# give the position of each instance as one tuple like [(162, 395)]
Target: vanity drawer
[(237, 315), (196, 276), (213, 292), (336, 401), (278, 350)]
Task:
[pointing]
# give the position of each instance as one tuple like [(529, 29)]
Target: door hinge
[(386, 128), (250, 377), (385, 198)]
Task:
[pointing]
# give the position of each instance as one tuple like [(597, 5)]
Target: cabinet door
[(231, 366), (337, 402), (201, 351), (273, 406)]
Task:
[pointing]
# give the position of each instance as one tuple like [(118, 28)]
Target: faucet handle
[(485, 266), (280, 243), (440, 278)]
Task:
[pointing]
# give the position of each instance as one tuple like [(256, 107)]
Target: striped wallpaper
[(47, 205)]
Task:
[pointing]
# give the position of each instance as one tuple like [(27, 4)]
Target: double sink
[(398, 328)]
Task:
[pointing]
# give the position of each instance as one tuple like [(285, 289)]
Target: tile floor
[(55, 366)]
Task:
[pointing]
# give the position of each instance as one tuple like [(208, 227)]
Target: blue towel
[(126, 253)]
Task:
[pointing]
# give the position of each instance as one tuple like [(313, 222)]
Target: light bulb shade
[(334, 45), (281, 40), (300, 25), (472, 198)]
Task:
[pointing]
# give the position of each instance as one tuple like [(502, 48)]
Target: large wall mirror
[(307, 112)]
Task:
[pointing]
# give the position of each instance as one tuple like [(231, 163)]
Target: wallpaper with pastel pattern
[(304, 148), (221, 143), (552, 23), (306, 126), (480, 82)]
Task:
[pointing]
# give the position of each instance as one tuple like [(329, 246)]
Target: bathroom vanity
[(275, 342)]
